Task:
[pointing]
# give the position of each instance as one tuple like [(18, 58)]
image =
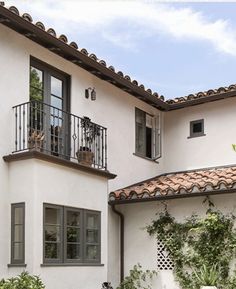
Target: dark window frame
[(49, 71), (63, 260), (154, 132), (13, 260), (191, 127)]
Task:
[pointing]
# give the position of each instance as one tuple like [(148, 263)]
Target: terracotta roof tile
[(179, 183)]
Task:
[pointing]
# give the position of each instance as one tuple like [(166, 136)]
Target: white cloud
[(147, 18)]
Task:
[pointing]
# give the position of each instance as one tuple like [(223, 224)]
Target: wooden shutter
[(157, 137)]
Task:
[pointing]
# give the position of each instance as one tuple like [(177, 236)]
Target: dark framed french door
[(49, 95)]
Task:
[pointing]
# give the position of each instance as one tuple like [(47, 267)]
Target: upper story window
[(50, 98), (196, 128), (148, 137), (71, 235)]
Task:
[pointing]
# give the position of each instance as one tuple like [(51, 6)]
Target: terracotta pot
[(85, 157), (35, 145)]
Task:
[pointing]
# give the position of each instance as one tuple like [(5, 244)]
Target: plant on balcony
[(201, 248), (90, 131), (35, 140)]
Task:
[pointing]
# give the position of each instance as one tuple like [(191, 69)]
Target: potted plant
[(85, 154), (207, 276), (35, 140)]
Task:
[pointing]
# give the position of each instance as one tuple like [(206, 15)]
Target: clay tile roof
[(180, 184), (125, 82), (204, 95)]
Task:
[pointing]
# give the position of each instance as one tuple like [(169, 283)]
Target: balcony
[(52, 131)]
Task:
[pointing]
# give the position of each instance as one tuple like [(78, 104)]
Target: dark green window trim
[(75, 237), (196, 128), (18, 234), (147, 135)]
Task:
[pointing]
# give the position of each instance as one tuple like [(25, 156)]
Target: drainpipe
[(121, 241)]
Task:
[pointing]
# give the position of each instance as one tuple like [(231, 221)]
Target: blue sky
[(174, 48)]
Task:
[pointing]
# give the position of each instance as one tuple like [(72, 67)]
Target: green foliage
[(234, 147), (22, 281), (137, 278), (198, 247), (36, 85), (207, 276)]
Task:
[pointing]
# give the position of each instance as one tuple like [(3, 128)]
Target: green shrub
[(137, 279), (22, 281)]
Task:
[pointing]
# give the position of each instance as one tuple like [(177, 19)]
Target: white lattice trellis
[(164, 261)]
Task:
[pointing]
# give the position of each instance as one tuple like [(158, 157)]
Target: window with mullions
[(148, 137), (71, 235), (18, 233), (49, 99)]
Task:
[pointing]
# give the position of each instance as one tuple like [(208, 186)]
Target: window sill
[(197, 135), (16, 265), (146, 158), (71, 264)]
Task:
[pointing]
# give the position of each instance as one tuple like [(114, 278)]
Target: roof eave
[(64, 50), (202, 100), (170, 197)]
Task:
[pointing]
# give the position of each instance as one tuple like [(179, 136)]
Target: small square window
[(196, 128)]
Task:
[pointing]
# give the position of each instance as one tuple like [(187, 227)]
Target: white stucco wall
[(141, 248), (36, 182), (113, 109), (213, 149)]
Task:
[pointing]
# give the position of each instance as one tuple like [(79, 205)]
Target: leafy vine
[(199, 244)]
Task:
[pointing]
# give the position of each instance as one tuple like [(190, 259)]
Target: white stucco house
[(88, 156)]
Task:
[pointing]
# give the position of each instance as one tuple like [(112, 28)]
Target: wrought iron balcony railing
[(42, 127)]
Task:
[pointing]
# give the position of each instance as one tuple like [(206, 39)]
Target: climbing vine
[(198, 243)]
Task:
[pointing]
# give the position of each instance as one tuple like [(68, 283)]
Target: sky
[(173, 48)]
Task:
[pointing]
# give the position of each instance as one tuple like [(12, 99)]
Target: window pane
[(19, 215), (18, 251), (140, 131), (92, 252), (197, 127), (52, 233), (56, 86), (73, 218), (52, 216), (55, 114), (18, 233), (92, 236), (52, 250), (92, 221), (73, 251), (57, 102), (73, 234), (149, 120), (148, 142), (36, 84), (36, 94)]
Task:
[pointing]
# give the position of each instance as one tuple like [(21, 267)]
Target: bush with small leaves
[(22, 281), (137, 279)]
